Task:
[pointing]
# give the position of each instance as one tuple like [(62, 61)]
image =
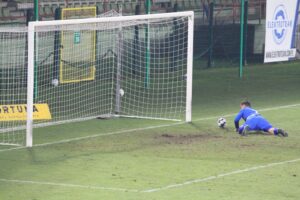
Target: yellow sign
[(72, 68), (18, 112)]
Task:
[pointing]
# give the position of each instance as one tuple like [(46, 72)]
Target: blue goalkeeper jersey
[(244, 114), (253, 120)]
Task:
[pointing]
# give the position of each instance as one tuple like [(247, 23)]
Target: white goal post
[(101, 67)]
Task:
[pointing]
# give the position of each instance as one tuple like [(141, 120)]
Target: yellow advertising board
[(73, 66), (18, 112)]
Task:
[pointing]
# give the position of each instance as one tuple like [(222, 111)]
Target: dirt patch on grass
[(187, 139), (247, 145)]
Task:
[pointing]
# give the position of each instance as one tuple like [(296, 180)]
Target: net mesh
[(13, 77), (218, 29), (71, 42), (153, 86), (138, 70)]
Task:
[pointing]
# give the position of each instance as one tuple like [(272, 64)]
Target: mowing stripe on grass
[(144, 128), (172, 186), (240, 171), (66, 185)]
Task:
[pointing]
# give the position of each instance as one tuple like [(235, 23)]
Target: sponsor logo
[(18, 112), (280, 24)]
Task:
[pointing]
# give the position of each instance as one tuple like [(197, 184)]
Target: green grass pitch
[(147, 159)]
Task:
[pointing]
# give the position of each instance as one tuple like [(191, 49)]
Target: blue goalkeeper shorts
[(256, 123)]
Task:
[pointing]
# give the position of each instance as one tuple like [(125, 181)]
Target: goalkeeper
[(254, 122)]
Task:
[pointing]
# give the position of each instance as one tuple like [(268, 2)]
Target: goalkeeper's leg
[(244, 129), (277, 131), (248, 126), (260, 124), (265, 126)]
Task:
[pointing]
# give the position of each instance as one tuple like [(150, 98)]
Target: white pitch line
[(172, 186), (142, 129), (260, 110), (151, 127), (11, 149), (67, 185), (279, 107), (219, 176), (96, 135)]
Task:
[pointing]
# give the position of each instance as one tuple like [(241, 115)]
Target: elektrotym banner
[(281, 26)]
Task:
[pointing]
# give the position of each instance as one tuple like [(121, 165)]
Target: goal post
[(30, 84), (189, 75), (118, 87)]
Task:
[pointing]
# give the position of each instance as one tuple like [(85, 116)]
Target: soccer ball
[(221, 122), (55, 82), (121, 92)]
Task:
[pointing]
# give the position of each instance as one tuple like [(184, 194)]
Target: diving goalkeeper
[(254, 122)]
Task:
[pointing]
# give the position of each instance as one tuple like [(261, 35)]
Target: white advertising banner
[(281, 25)]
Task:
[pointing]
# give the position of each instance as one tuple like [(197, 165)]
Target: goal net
[(77, 41), (142, 68), (13, 90)]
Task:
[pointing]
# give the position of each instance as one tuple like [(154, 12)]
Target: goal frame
[(31, 48)]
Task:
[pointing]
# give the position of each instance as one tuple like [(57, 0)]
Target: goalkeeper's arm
[(237, 120), (236, 123)]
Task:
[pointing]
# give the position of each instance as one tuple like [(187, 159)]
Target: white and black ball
[(221, 122)]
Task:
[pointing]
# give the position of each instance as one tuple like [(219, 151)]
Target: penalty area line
[(152, 190), (239, 171), (142, 129)]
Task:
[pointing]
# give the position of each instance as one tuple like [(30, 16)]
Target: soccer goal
[(141, 67)]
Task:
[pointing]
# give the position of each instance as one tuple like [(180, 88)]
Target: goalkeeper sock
[(275, 131)]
